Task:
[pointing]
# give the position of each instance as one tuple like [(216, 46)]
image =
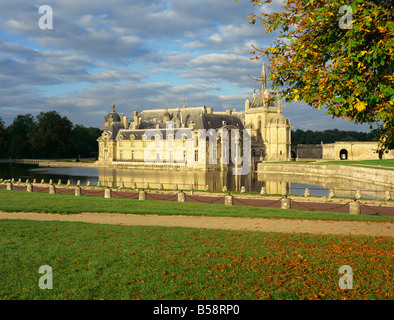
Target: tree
[(328, 136), (3, 139), (51, 137), (19, 133), (85, 140), (335, 54)]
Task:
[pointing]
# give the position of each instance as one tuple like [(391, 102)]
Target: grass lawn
[(387, 164), (62, 203), (92, 261)]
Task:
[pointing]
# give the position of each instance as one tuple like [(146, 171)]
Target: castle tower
[(111, 117), (270, 130)]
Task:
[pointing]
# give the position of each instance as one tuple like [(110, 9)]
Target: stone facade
[(171, 137), (354, 150)]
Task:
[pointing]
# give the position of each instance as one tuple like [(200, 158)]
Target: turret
[(111, 117)]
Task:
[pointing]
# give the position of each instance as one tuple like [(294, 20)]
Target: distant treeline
[(329, 136), (51, 136), (47, 136)]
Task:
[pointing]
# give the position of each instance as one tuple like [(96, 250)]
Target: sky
[(138, 55)]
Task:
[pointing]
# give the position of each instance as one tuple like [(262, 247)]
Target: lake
[(274, 183)]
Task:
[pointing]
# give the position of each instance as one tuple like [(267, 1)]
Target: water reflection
[(198, 180)]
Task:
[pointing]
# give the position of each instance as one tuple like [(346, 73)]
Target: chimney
[(228, 112), (136, 120), (209, 110), (126, 122)]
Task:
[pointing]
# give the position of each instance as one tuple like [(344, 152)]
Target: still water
[(274, 183)]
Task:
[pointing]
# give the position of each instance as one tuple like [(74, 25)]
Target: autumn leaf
[(334, 66), (360, 106)]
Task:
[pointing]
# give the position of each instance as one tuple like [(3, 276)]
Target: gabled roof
[(184, 114), (216, 121)]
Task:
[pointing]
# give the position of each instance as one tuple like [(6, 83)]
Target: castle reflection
[(186, 179), (253, 182)]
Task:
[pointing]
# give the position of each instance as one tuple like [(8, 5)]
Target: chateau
[(198, 137)]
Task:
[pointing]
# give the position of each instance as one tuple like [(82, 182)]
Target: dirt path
[(226, 223)]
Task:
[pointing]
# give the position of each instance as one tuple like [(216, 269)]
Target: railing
[(259, 201)]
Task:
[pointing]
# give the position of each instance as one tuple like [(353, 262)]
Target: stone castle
[(127, 142)]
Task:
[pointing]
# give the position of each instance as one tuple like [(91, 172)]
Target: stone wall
[(353, 150), (368, 175), (308, 151), (340, 150), (49, 163)]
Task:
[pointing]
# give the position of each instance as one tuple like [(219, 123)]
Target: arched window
[(343, 154)]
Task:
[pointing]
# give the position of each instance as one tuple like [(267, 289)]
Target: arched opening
[(343, 155), (293, 154)]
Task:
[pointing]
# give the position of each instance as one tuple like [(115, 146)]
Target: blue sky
[(159, 53)]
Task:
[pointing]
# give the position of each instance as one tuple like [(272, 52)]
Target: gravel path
[(373, 229)]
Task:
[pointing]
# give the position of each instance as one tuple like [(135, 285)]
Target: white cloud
[(157, 52)]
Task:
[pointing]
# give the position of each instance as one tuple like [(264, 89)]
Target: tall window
[(144, 141), (157, 141), (196, 155), (170, 139)]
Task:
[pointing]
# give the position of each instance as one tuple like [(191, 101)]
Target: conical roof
[(263, 95)]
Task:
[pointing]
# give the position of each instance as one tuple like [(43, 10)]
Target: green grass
[(61, 203), (92, 261), (386, 164)]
